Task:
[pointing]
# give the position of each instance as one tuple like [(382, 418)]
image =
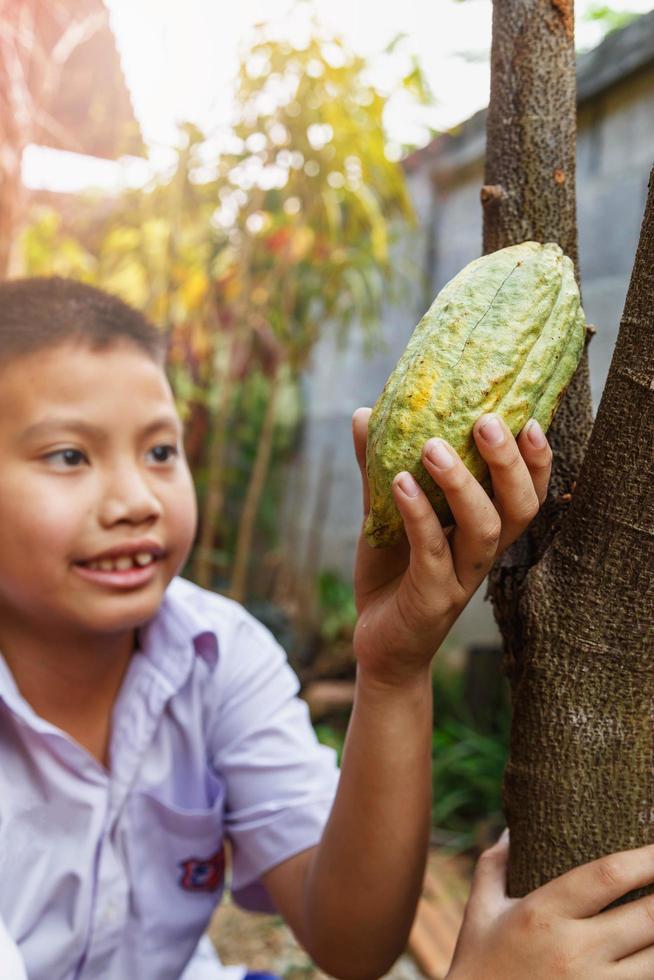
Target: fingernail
[(438, 453), (535, 434), (408, 485), (491, 431)]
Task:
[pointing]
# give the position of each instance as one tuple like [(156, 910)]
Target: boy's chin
[(119, 611)]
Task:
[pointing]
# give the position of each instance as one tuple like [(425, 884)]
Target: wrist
[(391, 684)]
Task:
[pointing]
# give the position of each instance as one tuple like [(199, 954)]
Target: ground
[(263, 942)]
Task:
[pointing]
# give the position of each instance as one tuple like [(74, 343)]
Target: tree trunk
[(530, 194), (574, 597), (254, 491), (215, 489), (224, 381), (580, 781)]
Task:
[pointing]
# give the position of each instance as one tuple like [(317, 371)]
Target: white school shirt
[(115, 874)]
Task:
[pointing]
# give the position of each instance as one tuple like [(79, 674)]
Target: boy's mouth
[(128, 571), (124, 558), (121, 564)]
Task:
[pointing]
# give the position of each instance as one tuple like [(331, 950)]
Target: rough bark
[(573, 597), (580, 781), (529, 193)]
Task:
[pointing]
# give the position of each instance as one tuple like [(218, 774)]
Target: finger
[(430, 559), (487, 899), (628, 928), (360, 438), (537, 454), (514, 495), (640, 966), (587, 890), (488, 895), (478, 527)]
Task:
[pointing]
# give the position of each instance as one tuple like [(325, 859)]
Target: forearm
[(365, 878)]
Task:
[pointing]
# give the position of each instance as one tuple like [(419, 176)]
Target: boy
[(145, 721)]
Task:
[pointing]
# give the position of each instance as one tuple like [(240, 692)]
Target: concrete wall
[(615, 154)]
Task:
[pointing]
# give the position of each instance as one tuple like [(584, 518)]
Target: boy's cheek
[(35, 515), (190, 505), (182, 518)]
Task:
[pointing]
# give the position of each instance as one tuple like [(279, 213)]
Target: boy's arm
[(559, 930), (352, 899)]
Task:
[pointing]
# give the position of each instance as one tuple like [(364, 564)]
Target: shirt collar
[(9, 692), (170, 641), (176, 635)]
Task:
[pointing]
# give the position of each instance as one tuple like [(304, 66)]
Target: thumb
[(360, 438), (488, 892), (486, 903)]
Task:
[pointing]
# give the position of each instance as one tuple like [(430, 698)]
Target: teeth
[(122, 564)]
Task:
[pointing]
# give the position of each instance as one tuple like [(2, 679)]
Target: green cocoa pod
[(505, 335)]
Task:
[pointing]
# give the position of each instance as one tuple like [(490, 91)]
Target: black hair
[(42, 312)]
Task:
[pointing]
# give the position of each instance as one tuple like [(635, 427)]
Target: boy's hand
[(559, 930), (409, 594)]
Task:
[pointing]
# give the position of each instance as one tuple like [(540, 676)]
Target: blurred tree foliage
[(468, 760), (337, 604), (307, 198), (608, 17), (246, 254)]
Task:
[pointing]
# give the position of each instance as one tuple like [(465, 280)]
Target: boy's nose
[(129, 497)]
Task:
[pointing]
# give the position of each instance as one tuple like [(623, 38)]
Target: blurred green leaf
[(336, 604), (467, 765), (331, 737), (610, 18)]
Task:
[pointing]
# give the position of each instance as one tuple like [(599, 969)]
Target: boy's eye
[(163, 453), (69, 456)]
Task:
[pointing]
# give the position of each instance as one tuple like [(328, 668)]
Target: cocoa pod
[(505, 335)]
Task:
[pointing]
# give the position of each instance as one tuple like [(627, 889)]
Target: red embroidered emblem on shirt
[(203, 874)]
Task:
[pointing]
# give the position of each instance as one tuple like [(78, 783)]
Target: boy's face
[(68, 495)]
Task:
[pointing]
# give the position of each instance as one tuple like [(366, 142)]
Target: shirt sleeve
[(280, 781)]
